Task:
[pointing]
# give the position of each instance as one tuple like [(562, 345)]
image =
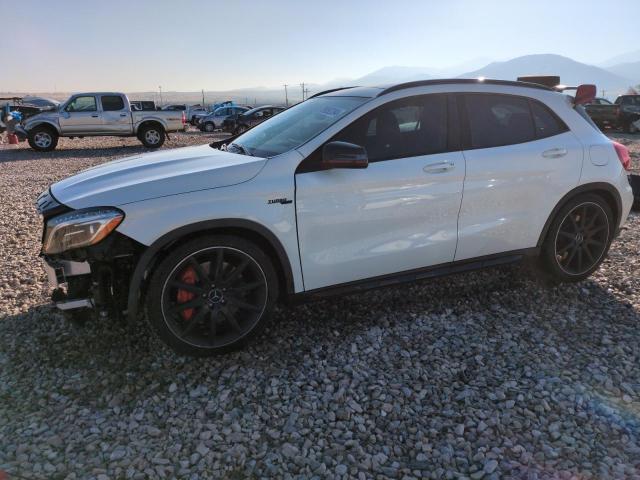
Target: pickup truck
[(624, 113), (603, 113), (100, 114)]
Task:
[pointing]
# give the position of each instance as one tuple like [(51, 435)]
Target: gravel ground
[(484, 375)]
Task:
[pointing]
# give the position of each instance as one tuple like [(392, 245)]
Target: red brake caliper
[(188, 276)]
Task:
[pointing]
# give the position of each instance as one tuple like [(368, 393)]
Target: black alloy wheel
[(213, 297), (578, 238), (582, 238)]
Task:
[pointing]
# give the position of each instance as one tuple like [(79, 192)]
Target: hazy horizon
[(217, 46)]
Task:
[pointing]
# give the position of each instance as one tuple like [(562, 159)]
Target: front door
[(398, 214), (81, 116)]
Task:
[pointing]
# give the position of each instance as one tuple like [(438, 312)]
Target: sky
[(188, 45)]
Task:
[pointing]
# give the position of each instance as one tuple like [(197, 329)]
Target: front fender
[(33, 124)]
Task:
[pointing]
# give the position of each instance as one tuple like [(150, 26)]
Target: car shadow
[(565, 332)]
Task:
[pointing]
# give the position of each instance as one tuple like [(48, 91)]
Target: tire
[(229, 286), (578, 239), (240, 129), (43, 138), (152, 136), (209, 127)]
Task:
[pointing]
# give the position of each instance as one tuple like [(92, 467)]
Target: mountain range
[(612, 77)]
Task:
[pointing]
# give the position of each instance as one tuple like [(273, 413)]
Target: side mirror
[(344, 155)]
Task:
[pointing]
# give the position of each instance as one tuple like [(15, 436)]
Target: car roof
[(371, 92)]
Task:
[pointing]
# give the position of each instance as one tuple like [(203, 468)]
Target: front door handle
[(95, 116), (439, 167), (123, 114), (554, 153)]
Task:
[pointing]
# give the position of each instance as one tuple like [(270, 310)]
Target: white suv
[(351, 189)]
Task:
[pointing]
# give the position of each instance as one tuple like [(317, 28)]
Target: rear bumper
[(59, 272)]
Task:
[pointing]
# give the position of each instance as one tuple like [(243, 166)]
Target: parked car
[(354, 188), (603, 113), (628, 112), (214, 120), (175, 107), (199, 115), (241, 123), (100, 114)]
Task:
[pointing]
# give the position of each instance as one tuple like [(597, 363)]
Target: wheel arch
[(608, 192), (150, 122), (243, 228), (44, 123)]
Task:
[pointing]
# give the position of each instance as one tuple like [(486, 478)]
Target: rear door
[(521, 160), (115, 117), (81, 116)]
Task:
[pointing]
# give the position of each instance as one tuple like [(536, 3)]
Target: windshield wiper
[(242, 149)]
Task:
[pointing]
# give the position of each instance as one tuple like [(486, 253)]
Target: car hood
[(157, 174)]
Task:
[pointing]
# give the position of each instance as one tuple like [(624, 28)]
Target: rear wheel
[(212, 295), (209, 127), (579, 238), (152, 136), (43, 139)]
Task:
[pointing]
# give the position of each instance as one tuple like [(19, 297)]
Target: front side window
[(82, 104), (112, 103), (408, 127), (295, 126), (498, 120)]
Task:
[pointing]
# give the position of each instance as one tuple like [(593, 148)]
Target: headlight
[(80, 228)]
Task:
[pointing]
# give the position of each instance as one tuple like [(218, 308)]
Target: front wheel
[(211, 295), (43, 139), (209, 127), (152, 136), (579, 238)]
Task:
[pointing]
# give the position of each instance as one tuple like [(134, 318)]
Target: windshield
[(296, 126)]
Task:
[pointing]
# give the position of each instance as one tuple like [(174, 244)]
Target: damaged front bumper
[(61, 273)]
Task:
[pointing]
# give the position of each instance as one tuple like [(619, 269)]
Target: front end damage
[(91, 279)]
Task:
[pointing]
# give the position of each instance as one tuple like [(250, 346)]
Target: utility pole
[(306, 91), (203, 97), (286, 97), (302, 85), (160, 88)]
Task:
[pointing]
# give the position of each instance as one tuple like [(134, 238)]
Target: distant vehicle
[(143, 105), (196, 117), (241, 123), (603, 113), (214, 120), (100, 114), (629, 112), (175, 107)]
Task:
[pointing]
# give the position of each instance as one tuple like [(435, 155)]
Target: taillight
[(623, 155), (184, 119)]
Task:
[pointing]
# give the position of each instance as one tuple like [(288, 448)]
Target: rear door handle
[(95, 116), (554, 153), (439, 167), (123, 114)]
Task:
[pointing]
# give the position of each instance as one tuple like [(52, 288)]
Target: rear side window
[(112, 103), (498, 120), (546, 122)]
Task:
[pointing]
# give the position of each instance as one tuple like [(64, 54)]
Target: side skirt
[(407, 276)]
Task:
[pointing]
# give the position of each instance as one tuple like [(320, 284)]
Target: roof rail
[(464, 81), (329, 91)]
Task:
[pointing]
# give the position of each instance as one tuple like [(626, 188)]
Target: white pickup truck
[(100, 114)]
